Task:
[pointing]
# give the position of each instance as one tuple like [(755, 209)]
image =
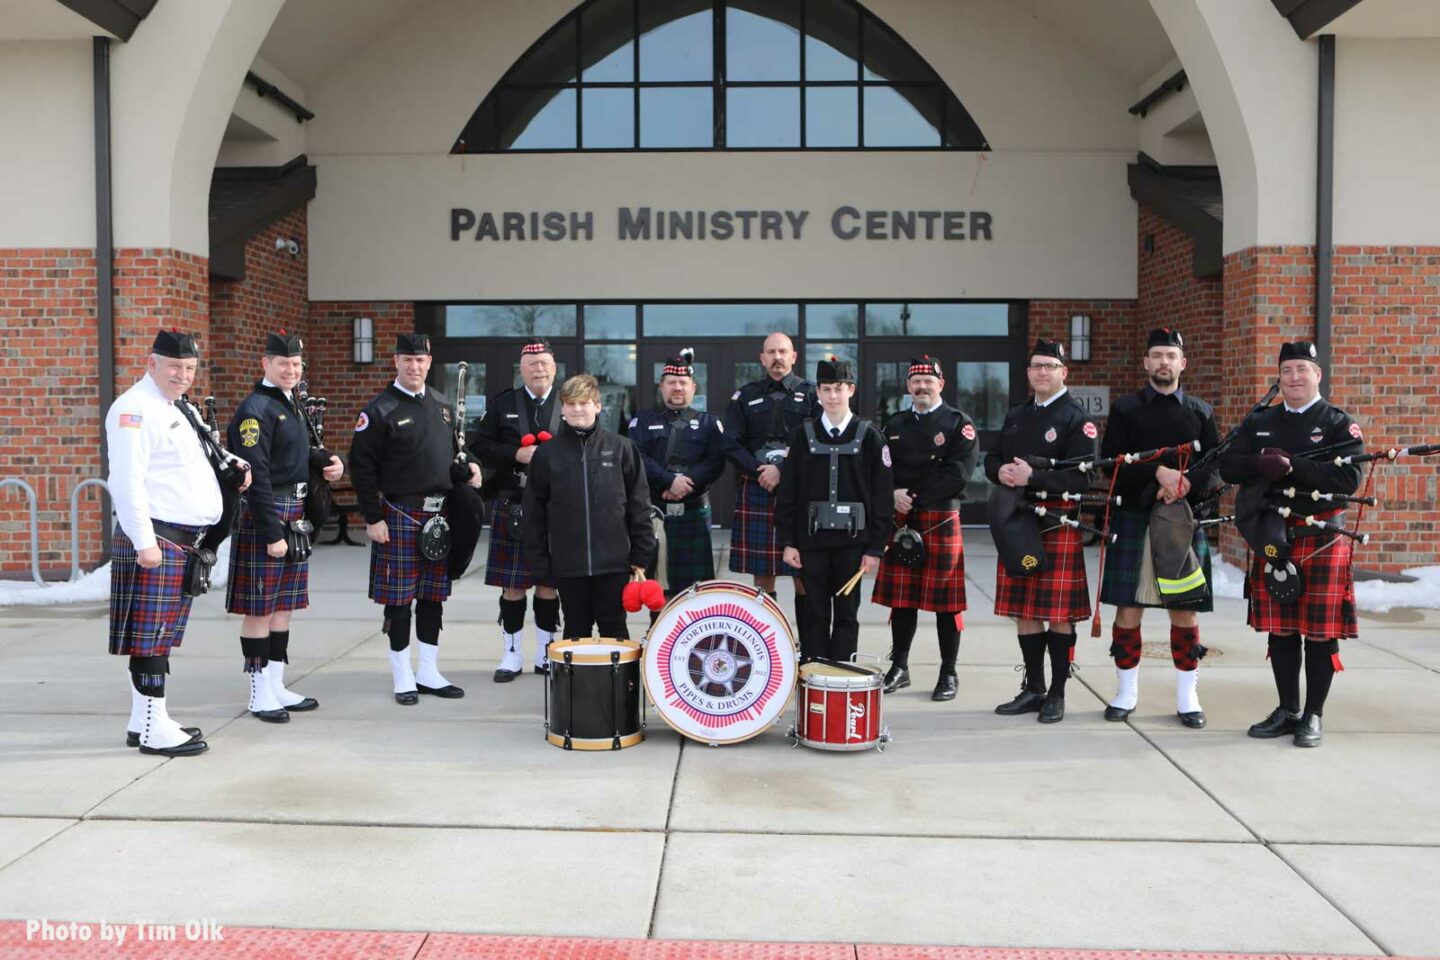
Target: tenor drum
[(720, 662), (839, 707), (592, 695)]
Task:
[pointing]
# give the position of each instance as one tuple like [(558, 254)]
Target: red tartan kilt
[(1060, 594), (938, 584), (1326, 609), (261, 585)]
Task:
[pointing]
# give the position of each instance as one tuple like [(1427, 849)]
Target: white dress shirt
[(835, 429), (1045, 403), (157, 467)]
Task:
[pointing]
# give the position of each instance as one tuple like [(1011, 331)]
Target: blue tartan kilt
[(505, 564), (260, 584), (1123, 558), (148, 610), (689, 553), (398, 574), (754, 547)]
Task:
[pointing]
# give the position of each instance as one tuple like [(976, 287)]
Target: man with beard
[(1160, 415), (933, 450)]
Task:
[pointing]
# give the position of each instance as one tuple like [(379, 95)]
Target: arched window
[(720, 75)]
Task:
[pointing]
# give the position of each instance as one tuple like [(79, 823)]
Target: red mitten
[(528, 440), (630, 597), (545, 435), (652, 594)]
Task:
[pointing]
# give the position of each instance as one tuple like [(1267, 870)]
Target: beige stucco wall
[(272, 135), (1387, 141), (47, 165)]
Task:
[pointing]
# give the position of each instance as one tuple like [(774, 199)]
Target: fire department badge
[(968, 431), (1355, 431), (1029, 561), (1090, 430), (1050, 435), (939, 439), (362, 422)]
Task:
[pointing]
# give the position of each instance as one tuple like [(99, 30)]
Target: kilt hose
[(148, 611), (1124, 556), (260, 584), (689, 553), (938, 584), (754, 547), (1326, 609), (1059, 595), (398, 574), (505, 564)]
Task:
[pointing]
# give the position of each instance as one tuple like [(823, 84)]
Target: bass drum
[(720, 662)]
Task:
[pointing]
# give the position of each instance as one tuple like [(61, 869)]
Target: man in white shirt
[(165, 494)]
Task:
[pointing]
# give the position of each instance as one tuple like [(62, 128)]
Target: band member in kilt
[(832, 512), (1324, 613), (501, 445), (759, 420), (683, 450), (265, 583), (1052, 424), (402, 461), (165, 495), (933, 449), (587, 514), (1160, 415)]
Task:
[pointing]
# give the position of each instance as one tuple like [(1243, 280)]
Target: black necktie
[(835, 433)]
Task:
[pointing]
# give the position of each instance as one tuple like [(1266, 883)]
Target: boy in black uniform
[(499, 442), (934, 450), (403, 464), (832, 512), (587, 514), (1053, 425), (1324, 612), (683, 451), (1160, 415), (265, 584)]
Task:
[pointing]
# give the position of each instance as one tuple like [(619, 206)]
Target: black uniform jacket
[(587, 506), (1060, 430), (933, 455), (864, 478), (1148, 420), (752, 420), (509, 416), (1321, 425), (269, 433), (699, 450), (403, 446)]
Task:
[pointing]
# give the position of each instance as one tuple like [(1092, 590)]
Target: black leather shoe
[(505, 676), (272, 716), (132, 739), (304, 706), (1052, 710), (1026, 701), (1116, 714), (1309, 732), (407, 699), (183, 750), (1281, 722), (1195, 720), (945, 688), (447, 692), (896, 678)]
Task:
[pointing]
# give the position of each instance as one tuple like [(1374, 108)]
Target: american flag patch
[(131, 420)]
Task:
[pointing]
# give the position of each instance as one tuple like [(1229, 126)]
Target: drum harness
[(833, 513)]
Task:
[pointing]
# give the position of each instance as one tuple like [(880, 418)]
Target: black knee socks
[(1059, 645), (429, 617), (1032, 648), (949, 641), (1285, 664), (902, 635), (1320, 658), (256, 651), (547, 614), (280, 646), (512, 614), (147, 675), (397, 626)]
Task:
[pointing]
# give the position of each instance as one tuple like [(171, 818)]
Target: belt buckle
[(674, 509), (302, 489), (433, 504)]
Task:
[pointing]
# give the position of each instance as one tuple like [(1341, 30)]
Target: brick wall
[(1115, 343), (157, 288), (348, 386), (1170, 295), (273, 296)]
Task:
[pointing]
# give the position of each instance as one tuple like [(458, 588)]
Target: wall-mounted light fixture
[(364, 339), (1080, 338)]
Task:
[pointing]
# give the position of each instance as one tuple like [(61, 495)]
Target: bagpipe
[(319, 498), (229, 470), (1090, 464), (465, 509), (1017, 527)]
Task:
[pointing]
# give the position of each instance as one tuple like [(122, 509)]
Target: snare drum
[(839, 707), (592, 695), (720, 662)]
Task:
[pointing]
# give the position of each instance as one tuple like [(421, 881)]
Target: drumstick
[(849, 585)]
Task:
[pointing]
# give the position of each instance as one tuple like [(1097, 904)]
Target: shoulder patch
[(362, 421), (735, 395), (885, 454), (249, 432), (1090, 430), (1355, 431), (720, 425), (633, 422), (134, 421), (968, 431)]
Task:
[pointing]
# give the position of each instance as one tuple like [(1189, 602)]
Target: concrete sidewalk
[(970, 829)]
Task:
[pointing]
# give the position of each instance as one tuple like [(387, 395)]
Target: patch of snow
[(93, 587), (1373, 596)]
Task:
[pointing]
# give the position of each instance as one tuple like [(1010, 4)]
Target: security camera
[(290, 246)]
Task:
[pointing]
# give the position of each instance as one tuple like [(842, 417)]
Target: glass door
[(490, 367)]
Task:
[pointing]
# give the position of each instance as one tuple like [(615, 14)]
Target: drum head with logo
[(720, 662)]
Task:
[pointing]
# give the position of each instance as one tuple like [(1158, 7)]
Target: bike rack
[(75, 522), (34, 526)]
